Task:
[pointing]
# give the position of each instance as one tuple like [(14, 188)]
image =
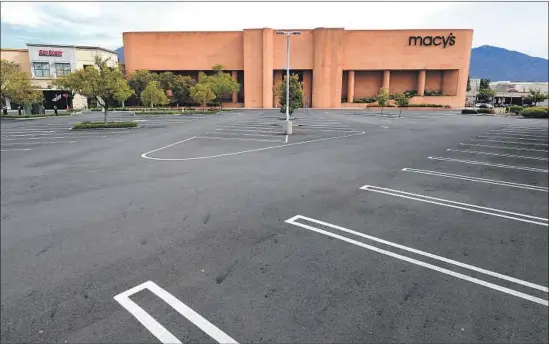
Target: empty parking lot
[(360, 227)]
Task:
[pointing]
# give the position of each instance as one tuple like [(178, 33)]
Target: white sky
[(512, 25)]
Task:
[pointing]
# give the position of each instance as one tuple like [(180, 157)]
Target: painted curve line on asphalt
[(145, 155)]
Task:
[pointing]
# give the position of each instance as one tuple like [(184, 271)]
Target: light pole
[(288, 124)]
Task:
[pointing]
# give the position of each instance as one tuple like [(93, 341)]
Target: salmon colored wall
[(301, 50), (433, 81), (277, 80), (307, 87), (368, 83), (19, 56), (402, 81), (344, 84), (183, 50), (450, 82), (253, 68)]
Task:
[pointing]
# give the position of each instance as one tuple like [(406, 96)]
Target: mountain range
[(488, 62)]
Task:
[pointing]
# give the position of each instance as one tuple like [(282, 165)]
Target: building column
[(350, 86), (268, 68), (234, 75), (386, 79), (421, 83)]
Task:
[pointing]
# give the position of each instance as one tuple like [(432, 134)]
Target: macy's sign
[(432, 40)]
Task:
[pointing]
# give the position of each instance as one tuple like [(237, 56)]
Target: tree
[(15, 85), (154, 95), (221, 83), (484, 84), (402, 100), (103, 82), (468, 84), (537, 96), (181, 90), (139, 80), (382, 98), (166, 80), (296, 94), (202, 93), (486, 94)]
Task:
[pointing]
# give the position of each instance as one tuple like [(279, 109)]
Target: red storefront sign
[(57, 53)]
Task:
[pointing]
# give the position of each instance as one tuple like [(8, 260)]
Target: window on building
[(62, 69), (41, 69)]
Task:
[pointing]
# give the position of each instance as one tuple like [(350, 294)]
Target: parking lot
[(359, 227)]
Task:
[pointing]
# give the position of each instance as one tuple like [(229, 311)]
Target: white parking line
[(459, 205), (419, 252), (35, 138), (247, 131), (479, 180), (24, 135), (155, 327), (35, 143), (15, 149), (513, 138), (234, 138), (245, 134), (145, 155), (421, 263), (474, 162), (498, 154), (513, 142), (520, 135), (528, 132), (27, 132), (504, 147)]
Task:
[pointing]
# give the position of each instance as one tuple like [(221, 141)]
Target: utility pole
[(287, 123)]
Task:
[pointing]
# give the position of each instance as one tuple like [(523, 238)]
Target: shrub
[(430, 105), (469, 112), (515, 109), (535, 112), (100, 125), (401, 99), (410, 93), (432, 93), (365, 100), (490, 111)]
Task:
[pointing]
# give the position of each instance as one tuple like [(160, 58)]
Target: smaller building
[(509, 92), (46, 62)]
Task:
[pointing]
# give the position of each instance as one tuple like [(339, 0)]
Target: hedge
[(100, 125), (490, 111), (515, 109), (535, 112)]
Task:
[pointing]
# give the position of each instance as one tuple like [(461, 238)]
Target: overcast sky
[(512, 25)]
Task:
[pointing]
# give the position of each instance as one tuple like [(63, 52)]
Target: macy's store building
[(337, 67)]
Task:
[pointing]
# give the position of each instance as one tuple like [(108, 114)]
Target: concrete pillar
[(386, 79), (234, 75), (421, 82), (350, 86), (268, 68)]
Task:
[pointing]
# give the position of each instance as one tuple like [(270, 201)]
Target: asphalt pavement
[(360, 227)]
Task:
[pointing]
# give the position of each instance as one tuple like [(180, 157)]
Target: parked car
[(485, 106)]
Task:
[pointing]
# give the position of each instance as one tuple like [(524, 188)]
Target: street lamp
[(288, 124)]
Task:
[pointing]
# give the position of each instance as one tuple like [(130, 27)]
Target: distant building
[(509, 92), (45, 62)]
